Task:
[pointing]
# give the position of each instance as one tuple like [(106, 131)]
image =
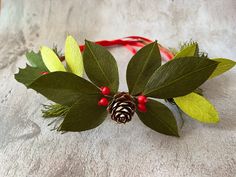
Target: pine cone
[(122, 107)]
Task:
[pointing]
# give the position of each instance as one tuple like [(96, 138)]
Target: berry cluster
[(142, 100), (104, 101)]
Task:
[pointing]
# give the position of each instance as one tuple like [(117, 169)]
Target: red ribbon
[(134, 41), (129, 43)]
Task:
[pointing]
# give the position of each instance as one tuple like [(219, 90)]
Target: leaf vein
[(96, 59), (140, 73)]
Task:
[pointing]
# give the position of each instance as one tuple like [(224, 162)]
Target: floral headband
[(84, 104)]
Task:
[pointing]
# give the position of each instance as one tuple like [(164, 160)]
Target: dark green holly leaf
[(63, 87), (141, 67), (159, 118), (100, 66), (179, 77), (35, 59), (85, 114), (27, 75)]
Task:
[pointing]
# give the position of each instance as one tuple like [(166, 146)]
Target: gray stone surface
[(27, 146)]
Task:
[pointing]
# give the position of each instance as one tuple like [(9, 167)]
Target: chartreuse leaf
[(188, 51), (51, 60), (159, 118), (223, 66), (198, 108), (179, 77), (73, 56), (63, 87), (27, 75), (100, 66), (36, 60), (85, 114), (141, 67)]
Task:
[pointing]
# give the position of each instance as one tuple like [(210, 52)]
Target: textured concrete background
[(29, 148)]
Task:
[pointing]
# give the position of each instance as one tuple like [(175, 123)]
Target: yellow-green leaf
[(73, 56), (223, 66), (198, 108), (51, 60), (188, 51)]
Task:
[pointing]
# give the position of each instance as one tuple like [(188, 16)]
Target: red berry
[(43, 73), (142, 99), (142, 107), (103, 102), (105, 90)]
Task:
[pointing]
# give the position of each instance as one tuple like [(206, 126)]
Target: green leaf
[(100, 66), (159, 118), (179, 77), (63, 87), (51, 60), (27, 75), (73, 56), (188, 51), (36, 60), (141, 67), (198, 108), (85, 114), (223, 66)]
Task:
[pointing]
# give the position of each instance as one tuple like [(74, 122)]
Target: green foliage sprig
[(55, 110)]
